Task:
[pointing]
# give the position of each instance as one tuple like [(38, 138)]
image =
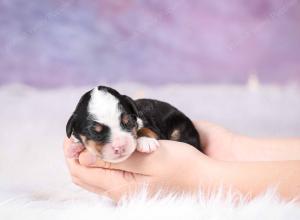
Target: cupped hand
[(179, 167), (174, 166)]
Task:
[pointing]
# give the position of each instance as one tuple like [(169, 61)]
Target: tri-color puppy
[(113, 126)]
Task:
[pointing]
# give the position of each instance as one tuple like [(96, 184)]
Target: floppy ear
[(70, 124), (131, 104)]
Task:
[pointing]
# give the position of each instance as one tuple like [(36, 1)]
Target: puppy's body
[(167, 122), (113, 126)]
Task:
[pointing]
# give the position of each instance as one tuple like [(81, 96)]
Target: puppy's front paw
[(147, 145)]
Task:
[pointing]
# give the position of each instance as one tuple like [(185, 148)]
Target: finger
[(72, 149), (112, 194), (111, 183), (68, 159), (87, 159), (117, 183), (140, 163), (66, 145), (88, 187), (95, 176), (136, 163)]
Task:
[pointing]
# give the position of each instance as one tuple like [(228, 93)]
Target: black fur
[(163, 118), (81, 123)]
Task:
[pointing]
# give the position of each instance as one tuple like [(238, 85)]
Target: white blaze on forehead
[(104, 107)]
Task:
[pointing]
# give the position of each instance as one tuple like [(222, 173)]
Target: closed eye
[(97, 132)]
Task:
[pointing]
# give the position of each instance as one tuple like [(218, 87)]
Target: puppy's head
[(105, 122)]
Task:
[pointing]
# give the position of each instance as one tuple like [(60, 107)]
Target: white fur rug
[(34, 183)]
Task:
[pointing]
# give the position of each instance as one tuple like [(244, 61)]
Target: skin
[(224, 165), (221, 144)]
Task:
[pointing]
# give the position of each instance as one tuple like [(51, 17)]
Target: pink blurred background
[(57, 43)]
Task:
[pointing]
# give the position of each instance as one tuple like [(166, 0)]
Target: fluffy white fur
[(79, 205), (34, 182)]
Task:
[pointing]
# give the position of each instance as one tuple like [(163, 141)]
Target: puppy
[(113, 126)]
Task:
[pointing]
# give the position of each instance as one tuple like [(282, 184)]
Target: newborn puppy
[(112, 126)]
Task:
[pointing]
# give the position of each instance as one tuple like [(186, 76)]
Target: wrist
[(206, 176), (216, 175)]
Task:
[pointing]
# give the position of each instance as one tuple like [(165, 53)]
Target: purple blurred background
[(54, 43)]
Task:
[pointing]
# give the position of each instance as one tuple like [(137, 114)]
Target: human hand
[(178, 167), (218, 142), (222, 144), (174, 166)]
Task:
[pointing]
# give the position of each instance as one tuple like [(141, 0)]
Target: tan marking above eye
[(175, 135), (98, 128), (125, 119)]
